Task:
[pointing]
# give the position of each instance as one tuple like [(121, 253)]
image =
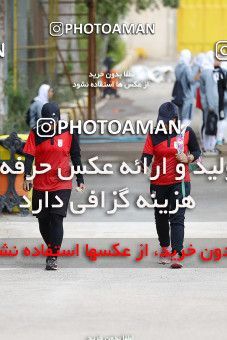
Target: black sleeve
[(28, 165), (75, 156), (146, 158), (193, 144)]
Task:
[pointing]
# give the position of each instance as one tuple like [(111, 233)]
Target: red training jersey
[(160, 145), (58, 151)]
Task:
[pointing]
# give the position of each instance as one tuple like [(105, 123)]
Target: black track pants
[(170, 227), (51, 229)]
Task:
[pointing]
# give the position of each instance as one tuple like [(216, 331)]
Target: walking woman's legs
[(161, 219), (177, 230), (51, 229), (44, 228), (177, 219), (56, 232), (162, 227)]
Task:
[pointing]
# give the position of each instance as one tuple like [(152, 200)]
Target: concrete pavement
[(144, 303)]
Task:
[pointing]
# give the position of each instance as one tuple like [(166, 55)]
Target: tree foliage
[(110, 10)]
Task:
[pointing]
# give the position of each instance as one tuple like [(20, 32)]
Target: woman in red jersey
[(170, 226), (57, 150)]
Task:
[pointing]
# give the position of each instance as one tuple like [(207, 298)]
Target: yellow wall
[(200, 23)]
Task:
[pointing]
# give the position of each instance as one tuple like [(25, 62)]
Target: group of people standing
[(202, 83)]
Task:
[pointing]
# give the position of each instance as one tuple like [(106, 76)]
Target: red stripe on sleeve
[(148, 146), (30, 147)]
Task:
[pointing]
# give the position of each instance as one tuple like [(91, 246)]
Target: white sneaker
[(164, 255), (176, 262)]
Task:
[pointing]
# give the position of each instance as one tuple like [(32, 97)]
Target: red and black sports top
[(162, 145), (57, 151)]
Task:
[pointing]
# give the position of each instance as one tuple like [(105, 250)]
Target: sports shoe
[(51, 263), (164, 255), (176, 262)]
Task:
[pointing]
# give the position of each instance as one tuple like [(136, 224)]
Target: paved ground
[(146, 303)]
